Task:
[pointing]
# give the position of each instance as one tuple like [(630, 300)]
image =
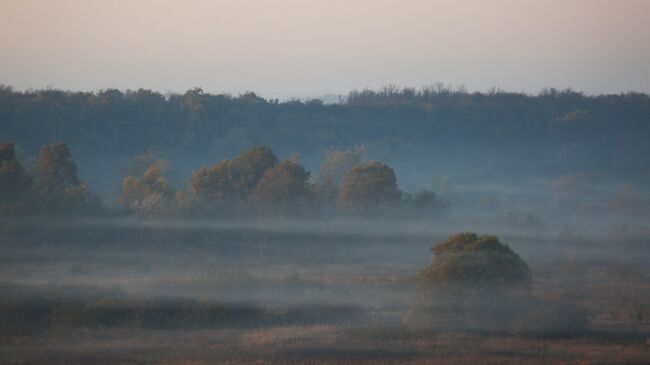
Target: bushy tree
[(232, 180), (149, 195), (58, 187), (336, 164), (213, 184), (368, 188), (56, 170), (248, 168), (284, 186), (474, 282), (477, 263)]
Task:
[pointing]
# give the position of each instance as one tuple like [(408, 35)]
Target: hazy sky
[(306, 48)]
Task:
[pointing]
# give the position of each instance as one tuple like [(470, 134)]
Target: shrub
[(473, 283)]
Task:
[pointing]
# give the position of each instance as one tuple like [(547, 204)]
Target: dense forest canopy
[(417, 131)]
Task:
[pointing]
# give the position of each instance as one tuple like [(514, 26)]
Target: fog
[(363, 252)]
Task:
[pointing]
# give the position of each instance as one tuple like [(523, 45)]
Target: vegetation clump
[(368, 188), (474, 282), (254, 182), (15, 184)]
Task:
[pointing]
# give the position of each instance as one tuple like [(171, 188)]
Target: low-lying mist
[(255, 249)]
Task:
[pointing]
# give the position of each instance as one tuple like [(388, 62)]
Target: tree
[(58, 186), (232, 180), (149, 195), (249, 167), (478, 263), (15, 184), (137, 165), (213, 184), (56, 170), (285, 185), (368, 188), (337, 163), (473, 282)]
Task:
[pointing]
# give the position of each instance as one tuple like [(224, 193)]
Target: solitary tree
[(368, 188), (473, 282)]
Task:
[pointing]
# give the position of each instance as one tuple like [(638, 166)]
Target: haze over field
[(266, 182)]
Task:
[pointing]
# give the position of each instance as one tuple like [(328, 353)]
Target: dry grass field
[(93, 308), (318, 344)]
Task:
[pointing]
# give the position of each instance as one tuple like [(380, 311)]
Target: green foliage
[(368, 188)]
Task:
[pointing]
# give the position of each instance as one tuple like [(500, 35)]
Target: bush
[(473, 283)]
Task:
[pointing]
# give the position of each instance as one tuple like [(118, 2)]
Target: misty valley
[(396, 226)]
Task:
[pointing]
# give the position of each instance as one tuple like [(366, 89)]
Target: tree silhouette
[(56, 170), (149, 195), (473, 282), (368, 188), (232, 180), (284, 186), (15, 184)]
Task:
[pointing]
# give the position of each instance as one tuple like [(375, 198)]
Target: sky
[(308, 48)]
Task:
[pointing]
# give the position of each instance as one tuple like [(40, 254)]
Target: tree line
[(53, 188), (254, 182), (492, 133)]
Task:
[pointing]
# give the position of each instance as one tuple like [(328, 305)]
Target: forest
[(490, 135)]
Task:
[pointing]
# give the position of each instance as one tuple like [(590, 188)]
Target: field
[(289, 300)]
